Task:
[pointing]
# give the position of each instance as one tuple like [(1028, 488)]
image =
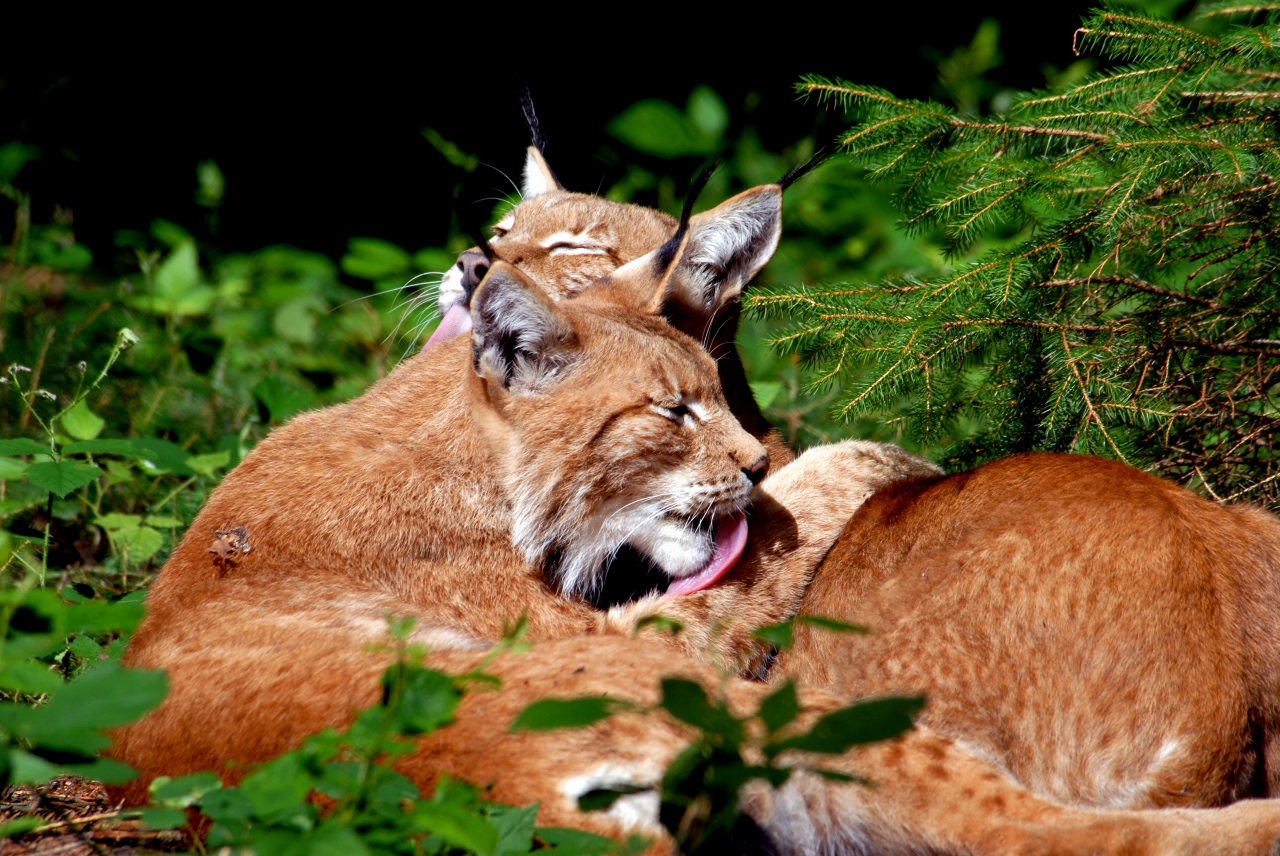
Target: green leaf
[(20, 826), (12, 468), (370, 258), (765, 391), (29, 676), (163, 455), (142, 542), (281, 398), (427, 701), (334, 839), (278, 786), (659, 128), (61, 477), (104, 770), (575, 842), (163, 818), (548, 713), (831, 624), (27, 769), (601, 798), (178, 274), (13, 157), (183, 791), (867, 722), (102, 697), (102, 616), (707, 112), (112, 447), (779, 635), (85, 648), (163, 522), (81, 422), (117, 520), (22, 446), (780, 707), (515, 828), (207, 465), (687, 701), (456, 825)]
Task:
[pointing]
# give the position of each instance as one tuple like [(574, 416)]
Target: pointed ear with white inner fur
[(724, 249), (519, 340), (538, 177)]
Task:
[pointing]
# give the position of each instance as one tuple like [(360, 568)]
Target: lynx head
[(563, 241), (615, 434)]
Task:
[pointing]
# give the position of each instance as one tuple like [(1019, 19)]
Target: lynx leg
[(929, 794)]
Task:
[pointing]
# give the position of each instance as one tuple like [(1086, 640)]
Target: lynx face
[(618, 433)]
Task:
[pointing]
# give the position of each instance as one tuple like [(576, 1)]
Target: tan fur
[(409, 501), (1101, 636)]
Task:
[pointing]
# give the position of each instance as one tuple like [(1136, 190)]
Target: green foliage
[(700, 790), (369, 807), (1113, 286)]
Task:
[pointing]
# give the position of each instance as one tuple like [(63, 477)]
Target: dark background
[(318, 130)]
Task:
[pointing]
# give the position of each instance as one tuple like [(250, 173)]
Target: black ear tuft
[(796, 173), (667, 252), (531, 117)]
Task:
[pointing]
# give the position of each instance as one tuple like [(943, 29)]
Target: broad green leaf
[(780, 707), (866, 722), (101, 616), (779, 635), (281, 398), (28, 769), (178, 274), (370, 258), (765, 391), (142, 542), (76, 592), (161, 454), (12, 468), (85, 648), (707, 112), (109, 447), (103, 697), (575, 842), (116, 520), (278, 785), (207, 465), (21, 826), (333, 839), (81, 422), (183, 791), (456, 825), (61, 477), (831, 624), (427, 700), (295, 320), (601, 798), (549, 713), (29, 676), (659, 128), (228, 808), (163, 818), (687, 701), (22, 446), (106, 770), (163, 522), (515, 828), (13, 157)]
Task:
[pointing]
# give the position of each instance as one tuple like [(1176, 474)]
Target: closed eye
[(679, 413), (566, 249)]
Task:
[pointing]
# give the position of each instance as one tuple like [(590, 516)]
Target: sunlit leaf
[(866, 722), (547, 714), (82, 423), (61, 477), (22, 446)]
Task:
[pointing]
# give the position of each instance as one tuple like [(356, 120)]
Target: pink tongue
[(455, 322), (730, 537)]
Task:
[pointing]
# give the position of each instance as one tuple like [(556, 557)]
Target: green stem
[(173, 494)]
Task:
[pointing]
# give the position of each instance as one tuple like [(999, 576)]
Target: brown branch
[(1132, 283)]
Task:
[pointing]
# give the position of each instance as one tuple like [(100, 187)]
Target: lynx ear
[(519, 341), (719, 253), (538, 177)]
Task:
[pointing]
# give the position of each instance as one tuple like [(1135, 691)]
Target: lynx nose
[(755, 472), (474, 265)]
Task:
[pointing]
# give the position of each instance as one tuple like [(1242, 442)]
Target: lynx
[(1098, 635)]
